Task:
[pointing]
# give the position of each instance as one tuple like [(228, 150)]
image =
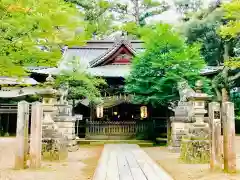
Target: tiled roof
[(17, 81), (211, 69), (96, 51), (111, 51)]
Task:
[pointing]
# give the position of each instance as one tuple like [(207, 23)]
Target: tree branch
[(232, 78)]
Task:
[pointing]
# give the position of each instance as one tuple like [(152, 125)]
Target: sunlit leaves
[(23, 23), (81, 85), (232, 14), (231, 30), (166, 60)]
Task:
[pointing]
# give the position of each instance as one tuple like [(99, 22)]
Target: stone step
[(141, 143)]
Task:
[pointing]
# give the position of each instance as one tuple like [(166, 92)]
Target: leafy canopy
[(33, 32), (232, 14), (166, 61), (231, 30), (215, 48), (97, 15), (204, 30), (80, 84)]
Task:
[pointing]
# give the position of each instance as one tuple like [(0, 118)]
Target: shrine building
[(110, 60)]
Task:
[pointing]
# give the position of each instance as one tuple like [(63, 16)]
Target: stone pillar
[(36, 135), (215, 136), (22, 135), (229, 137), (179, 124)]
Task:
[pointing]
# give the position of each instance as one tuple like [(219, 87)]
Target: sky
[(171, 16)]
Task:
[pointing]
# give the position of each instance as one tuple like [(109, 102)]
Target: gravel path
[(179, 171), (79, 166)]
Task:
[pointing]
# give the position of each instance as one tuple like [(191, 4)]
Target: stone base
[(177, 132), (54, 150), (67, 128), (195, 151)]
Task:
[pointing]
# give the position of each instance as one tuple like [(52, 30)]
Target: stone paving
[(127, 162)]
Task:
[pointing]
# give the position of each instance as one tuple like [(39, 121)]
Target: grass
[(141, 143)]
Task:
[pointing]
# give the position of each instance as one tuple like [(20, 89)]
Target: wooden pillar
[(229, 137), (36, 135), (215, 136), (22, 135), (92, 111)]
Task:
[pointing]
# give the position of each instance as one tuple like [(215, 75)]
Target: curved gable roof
[(111, 51)]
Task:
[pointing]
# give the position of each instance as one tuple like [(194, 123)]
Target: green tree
[(78, 83), (97, 14), (166, 61), (33, 32), (134, 13), (203, 28), (232, 13), (231, 30), (138, 10), (104, 17), (216, 49)]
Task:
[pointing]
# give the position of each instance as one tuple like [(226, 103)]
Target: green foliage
[(166, 61), (232, 14), (231, 29), (103, 16), (97, 14), (80, 84), (134, 13), (235, 98), (216, 48), (29, 26), (205, 31)]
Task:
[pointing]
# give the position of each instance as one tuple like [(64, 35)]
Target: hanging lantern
[(143, 110), (99, 111)]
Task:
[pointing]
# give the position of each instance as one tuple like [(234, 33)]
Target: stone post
[(215, 136), (229, 137), (36, 135), (22, 135), (169, 131)]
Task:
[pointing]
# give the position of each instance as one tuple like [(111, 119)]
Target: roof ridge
[(116, 45)]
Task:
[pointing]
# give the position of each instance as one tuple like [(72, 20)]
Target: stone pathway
[(127, 162)]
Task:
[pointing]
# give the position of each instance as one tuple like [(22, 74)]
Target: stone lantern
[(49, 94), (54, 142), (198, 103), (195, 143)]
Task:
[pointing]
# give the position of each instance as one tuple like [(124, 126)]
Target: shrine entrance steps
[(127, 162), (141, 143)]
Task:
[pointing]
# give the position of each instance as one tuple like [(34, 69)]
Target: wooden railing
[(116, 128)]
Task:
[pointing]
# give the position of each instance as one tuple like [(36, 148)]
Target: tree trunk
[(136, 11), (225, 95)]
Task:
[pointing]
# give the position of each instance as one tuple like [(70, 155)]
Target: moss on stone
[(195, 151), (53, 154)]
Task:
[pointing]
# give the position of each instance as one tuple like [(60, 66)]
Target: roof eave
[(99, 60)]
